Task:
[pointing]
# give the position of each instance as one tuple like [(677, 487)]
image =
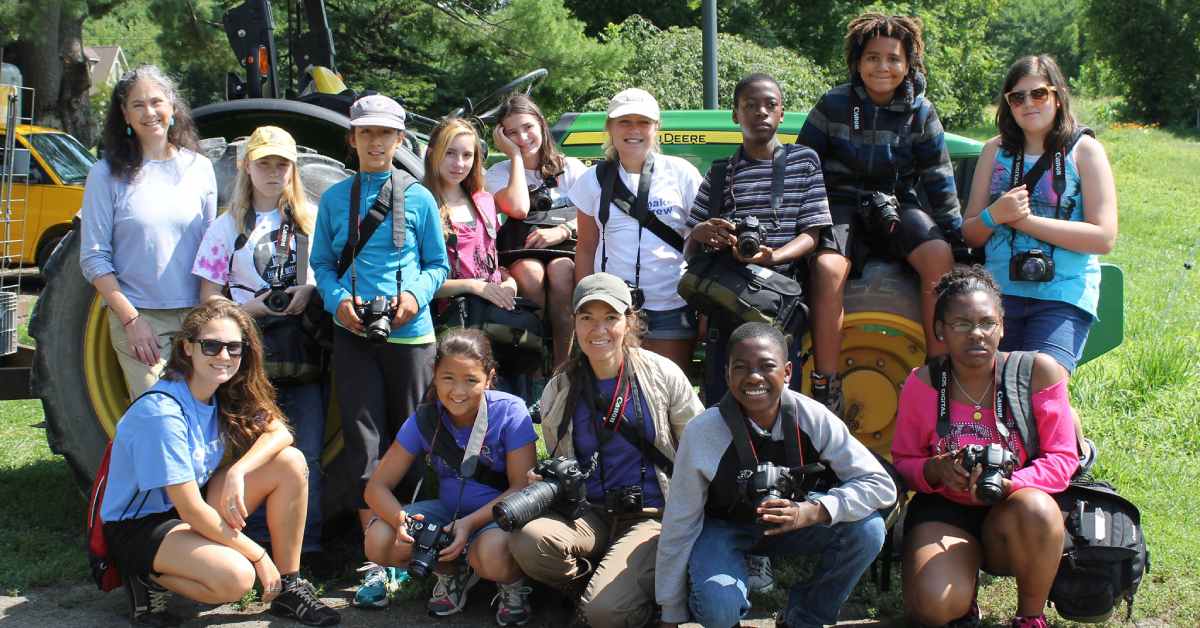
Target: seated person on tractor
[(767, 470)]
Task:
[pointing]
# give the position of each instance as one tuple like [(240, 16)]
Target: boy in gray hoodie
[(713, 505)]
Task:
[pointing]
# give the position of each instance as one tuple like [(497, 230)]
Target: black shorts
[(133, 543), (926, 507), (848, 237)]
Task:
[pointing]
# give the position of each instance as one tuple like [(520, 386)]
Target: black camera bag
[(1104, 553), (732, 293), (516, 331), (291, 355)]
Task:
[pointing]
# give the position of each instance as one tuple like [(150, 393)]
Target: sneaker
[(450, 592), (973, 618), (827, 389), (299, 601), (514, 609), (148, 602), (761, 579), (1030, 622), (378, 584)]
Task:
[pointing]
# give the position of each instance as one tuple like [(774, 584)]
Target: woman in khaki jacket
[(620, 411)]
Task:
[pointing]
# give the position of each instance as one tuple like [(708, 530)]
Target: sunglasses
[(1038, 95), (212, 348)]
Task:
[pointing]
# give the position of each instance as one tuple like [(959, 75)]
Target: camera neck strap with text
[(283, 249), (1013, 381), (723, 173), (1030, 179), (613, 191), (855, 120)]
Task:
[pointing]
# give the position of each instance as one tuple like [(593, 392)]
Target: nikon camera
[(770, 481), (376, 316), (1031, 265), (880, 212), (750, 236), (563, 488)]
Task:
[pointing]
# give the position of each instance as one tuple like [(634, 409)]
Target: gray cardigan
[(865, 487), (668, 393)]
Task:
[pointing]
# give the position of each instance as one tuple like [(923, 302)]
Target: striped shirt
[(748, 193)]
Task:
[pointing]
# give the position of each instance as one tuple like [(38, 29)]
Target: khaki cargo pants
[(139, 376), (557, 552)]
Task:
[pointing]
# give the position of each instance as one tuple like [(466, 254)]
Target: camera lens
[(278, 300), (748, 244), (1033, 268), (525, 505)]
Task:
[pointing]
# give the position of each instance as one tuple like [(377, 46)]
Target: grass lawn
[(1141, 403)]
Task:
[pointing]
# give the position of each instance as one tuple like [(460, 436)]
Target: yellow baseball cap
[(271, 140)]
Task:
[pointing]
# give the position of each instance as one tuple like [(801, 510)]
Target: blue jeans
[(304, 407), (717, 569), (1055, 328)]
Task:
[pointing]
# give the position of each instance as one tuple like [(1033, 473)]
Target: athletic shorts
[(927, 507), (133, 543), (1055, 328), (677, 324)]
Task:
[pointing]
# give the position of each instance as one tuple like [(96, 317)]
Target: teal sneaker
[(378, 584)]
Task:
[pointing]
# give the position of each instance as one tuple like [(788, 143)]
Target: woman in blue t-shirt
[(1071, 219), (173, 515), (458, 404)]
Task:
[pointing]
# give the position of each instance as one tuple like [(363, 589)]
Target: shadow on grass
[(42, 527)]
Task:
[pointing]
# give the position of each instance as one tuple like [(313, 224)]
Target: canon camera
[(749, 235), (880, 212), (771, 481), (997, 462), (429, 539), (1032, 265), (563, 488)]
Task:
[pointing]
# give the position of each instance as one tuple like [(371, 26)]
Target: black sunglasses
[(212, 348)]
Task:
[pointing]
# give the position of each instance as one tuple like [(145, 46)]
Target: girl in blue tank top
[(1043, 241)]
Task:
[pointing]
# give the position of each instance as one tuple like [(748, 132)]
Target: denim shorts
[(1055, 328), (434, 510), (676, 324)]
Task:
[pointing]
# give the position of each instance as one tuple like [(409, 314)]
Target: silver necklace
[(977, 415)]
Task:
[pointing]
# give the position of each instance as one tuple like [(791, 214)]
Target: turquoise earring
[(128, 130), (171, 122)]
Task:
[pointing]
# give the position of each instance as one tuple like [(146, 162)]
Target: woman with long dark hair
[(1069, 220), (146, 206), (173, 514)]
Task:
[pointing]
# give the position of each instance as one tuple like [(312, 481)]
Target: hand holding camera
[(459, 533), (944, 470), (1012, 206), (715, 233), (990, 468), (347, 314), (787, 515)]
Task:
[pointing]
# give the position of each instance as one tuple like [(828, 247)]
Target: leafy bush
[(669, 63)]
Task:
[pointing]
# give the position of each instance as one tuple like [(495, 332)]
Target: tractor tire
[(882, 340)]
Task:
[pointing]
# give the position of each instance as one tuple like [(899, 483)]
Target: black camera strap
[(743, 441), (283, 241), (442, 445), (1013, 382), (613, 191), (389, 200), (1030, 179)]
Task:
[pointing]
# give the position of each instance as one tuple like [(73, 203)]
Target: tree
[(1154, 48)]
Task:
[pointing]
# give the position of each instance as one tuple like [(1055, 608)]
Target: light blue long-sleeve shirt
[(147, 231), (423, 258)]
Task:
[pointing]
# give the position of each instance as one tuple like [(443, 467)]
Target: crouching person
[(164, 533), (619, 411), (465, 431), (715, 516)]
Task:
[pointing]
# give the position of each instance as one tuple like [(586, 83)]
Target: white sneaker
[(760, 577)]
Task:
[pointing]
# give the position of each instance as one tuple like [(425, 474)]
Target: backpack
[(1104, 548), (104, 570)]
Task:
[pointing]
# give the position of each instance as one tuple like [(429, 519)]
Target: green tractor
[(75, 370)]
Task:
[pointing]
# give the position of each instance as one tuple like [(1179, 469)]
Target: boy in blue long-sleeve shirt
[(379, 385)]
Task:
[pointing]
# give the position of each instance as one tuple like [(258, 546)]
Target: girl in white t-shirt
[(620, 245), (536, 163), (263, 240)]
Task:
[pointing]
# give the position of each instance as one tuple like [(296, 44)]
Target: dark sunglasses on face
[(1038, 95), (212, 348)]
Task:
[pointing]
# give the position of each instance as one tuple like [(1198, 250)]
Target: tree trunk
[(74, 106), (52, 62)]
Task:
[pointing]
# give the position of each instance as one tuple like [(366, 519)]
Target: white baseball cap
[(633, 101), (377, 110)]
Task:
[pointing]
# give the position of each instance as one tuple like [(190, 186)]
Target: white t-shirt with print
[(496, 178), (672, 192), (253, 264)]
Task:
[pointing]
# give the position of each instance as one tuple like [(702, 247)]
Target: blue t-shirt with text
[(509, 429), (161, 441)]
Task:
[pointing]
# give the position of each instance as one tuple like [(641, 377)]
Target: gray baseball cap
[(602, 287), (377, 110)]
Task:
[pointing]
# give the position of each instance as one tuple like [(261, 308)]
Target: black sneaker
[(299, 601), (148, 602)]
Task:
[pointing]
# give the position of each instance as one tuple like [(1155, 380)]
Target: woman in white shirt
[(613, 241)]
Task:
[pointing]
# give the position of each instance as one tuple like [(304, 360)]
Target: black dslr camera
[(750, 236), (428, 540), (880, 212), (770, 481), (563, 488), (624, 499), (1032, 265), (376, 316), (540, 199), (278, 298), (637, 297), (998, 463)]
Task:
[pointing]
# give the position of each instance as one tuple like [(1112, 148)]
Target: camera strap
[(743, 441), (611, 423), (1030, 179), (723, 173), (283, 242), (1013, 381), (389, 200), (613, 191), (442, 445)]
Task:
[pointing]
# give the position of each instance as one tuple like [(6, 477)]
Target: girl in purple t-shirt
[(454, 173), (458, 400)]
